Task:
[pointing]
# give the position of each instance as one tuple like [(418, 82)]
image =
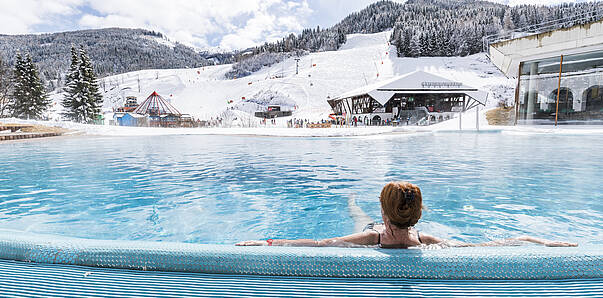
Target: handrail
[(551, 25)]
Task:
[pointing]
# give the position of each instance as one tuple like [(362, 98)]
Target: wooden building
[(417, 98), (273, 112)]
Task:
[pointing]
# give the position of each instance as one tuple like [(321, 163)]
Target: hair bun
[(409, 195)]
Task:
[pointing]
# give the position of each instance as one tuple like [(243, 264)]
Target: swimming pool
[(157, 216), (224, 189)]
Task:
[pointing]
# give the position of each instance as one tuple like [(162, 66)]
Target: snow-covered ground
[(365, 59), (468, 124)]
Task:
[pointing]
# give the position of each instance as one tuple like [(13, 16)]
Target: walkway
[(21, 279)]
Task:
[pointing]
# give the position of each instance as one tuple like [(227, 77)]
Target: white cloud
[(230, 24), (242, 23), (19, 16)]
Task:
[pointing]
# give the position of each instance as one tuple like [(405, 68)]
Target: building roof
[(416, 82), (156, 105), (134, 115)]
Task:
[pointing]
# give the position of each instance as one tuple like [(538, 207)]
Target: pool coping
[(484, 263)]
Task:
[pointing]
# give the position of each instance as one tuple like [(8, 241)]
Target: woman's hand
[(560, 244), (253, 243), (546, 242)]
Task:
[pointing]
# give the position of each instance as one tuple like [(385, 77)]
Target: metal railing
[(590, 16)]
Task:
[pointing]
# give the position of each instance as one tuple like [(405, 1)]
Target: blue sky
[(228, 24)]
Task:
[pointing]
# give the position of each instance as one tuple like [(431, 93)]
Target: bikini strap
[(371, 226), (419, 237)]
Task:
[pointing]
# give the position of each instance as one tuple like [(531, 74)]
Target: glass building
[(565, 89)]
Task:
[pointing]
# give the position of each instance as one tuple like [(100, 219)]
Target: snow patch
[(364, 59)]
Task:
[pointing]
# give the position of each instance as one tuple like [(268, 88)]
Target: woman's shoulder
[(377, 227), (426, 238)]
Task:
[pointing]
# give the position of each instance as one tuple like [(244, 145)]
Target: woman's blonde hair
[(401, 203)]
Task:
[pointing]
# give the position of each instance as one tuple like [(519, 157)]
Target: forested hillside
[(457, 27), (112, 51), (420, 28)]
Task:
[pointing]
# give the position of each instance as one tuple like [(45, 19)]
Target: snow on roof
[(134, 115), (416, 82), (366, 89)]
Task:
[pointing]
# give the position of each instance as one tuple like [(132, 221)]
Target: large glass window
[(578, 100)]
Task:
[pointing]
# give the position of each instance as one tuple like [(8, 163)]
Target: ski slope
[(363, 59)]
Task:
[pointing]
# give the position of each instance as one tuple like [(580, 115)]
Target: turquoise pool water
[(223, 189)]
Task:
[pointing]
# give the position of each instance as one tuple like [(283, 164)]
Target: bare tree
[(6, 84)]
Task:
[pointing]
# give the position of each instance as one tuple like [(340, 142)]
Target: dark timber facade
[(418, 98)]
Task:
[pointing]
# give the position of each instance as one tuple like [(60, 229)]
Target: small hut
[(131, 119), (131, 105), (159, 111)]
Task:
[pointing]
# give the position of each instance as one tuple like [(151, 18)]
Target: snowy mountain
[(536, 2), (421, 28), (364, 59), (113, 51)]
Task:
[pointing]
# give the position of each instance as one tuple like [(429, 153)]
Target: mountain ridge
[(113, 51), (420, 28)]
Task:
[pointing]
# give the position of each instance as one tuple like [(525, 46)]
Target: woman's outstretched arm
[(364, 238), (428, 239), (545, 242), (513, 241)]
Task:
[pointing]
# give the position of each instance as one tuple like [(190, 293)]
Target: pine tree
[(6, 83), (73, 88), (415, 46), (39, 97), (424, 42), (508, 24), (92, 95), (83, 99), (30, 98)]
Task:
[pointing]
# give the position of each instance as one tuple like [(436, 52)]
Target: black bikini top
[(371, 226)]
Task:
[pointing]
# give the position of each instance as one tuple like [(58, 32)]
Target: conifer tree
[(6, 83), (92, 95), (30, 98), (83, 99), (73, 88), (415, 48), (508, 21)]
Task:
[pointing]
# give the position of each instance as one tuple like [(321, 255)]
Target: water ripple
[(219, 189)]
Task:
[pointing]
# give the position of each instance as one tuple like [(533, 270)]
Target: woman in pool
[(401, 206)]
